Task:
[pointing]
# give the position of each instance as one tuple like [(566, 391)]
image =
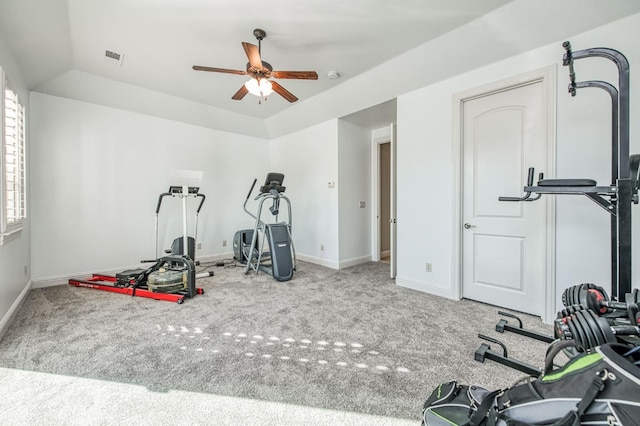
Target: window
[(12, 166)]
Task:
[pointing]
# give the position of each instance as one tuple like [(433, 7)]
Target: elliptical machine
[(248, 244)]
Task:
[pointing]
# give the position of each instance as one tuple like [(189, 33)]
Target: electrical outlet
[(224, 243), (428, 267), (199, 246), (321, 247), (25, 269)]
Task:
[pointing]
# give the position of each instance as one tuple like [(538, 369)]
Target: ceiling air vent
[(113, 57)]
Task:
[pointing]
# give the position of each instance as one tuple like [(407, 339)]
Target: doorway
[(383, 197), (506, 250), (385, 200)]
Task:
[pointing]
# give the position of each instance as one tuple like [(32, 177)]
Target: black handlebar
[(567, 60), (252, 186), (527, 195), (201, 202), (164, 194)]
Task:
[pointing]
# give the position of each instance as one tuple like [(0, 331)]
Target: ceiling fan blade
[(283, 92), (300, 75), (201, 68), (253, 54), (240, 93)]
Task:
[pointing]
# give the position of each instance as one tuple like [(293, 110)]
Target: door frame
[(376, 141), (547, 76)]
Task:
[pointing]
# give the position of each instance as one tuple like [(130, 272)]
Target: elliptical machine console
[(248, 244)]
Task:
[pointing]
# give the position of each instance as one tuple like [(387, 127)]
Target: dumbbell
[(590, 330), (595, 298)]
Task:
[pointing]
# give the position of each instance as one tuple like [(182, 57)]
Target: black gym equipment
[(503, 325), (589, 330), (589, 318), (485, 352), (623, 191), (248, 244), (595, 298)]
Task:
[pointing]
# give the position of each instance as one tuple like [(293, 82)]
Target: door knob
[(468, 225)]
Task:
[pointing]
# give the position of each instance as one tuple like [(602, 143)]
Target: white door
[(392, 200), (503, 253)]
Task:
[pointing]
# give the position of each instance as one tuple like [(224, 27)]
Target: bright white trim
[(426, 287), (54, 280), (353, 262), (12, 234), (376, 141), (547, 76), (318, 261), (11, 225), (6, 320)]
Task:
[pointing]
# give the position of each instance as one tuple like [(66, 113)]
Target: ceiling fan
[(260, 72)]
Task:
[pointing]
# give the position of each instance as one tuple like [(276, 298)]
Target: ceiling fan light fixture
[(261, 88), (265, 87)]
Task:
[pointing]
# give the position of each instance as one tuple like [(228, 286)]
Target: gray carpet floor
[(328, 347)]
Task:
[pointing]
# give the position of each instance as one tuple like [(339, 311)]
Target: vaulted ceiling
[(380, 49)]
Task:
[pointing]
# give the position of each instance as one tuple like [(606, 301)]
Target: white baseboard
[(385, 253), (6, 320), (332, 263), (355, 261), (425, 287), (64, 279), (318, 261)]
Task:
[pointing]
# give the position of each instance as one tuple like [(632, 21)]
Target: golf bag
[(598, 388)]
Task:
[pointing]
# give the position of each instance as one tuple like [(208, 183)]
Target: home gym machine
[(248, 244), (177, 247), (171, 277), (590, 318), (617, 197)]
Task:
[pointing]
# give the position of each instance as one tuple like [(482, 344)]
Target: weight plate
[(589, 334), (595, 327), (606, 330), (571, 299), (577, 333), (578, 294)]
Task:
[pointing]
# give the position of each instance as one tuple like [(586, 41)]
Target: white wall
[(354, 175), (15, 254), (96, 173), (309, 161), (426, 163), (96, 176)]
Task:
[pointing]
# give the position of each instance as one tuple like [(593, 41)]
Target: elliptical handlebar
[(247, 199), (253, 185), (272, 189)]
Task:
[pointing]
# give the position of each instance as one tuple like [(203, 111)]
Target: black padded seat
[(567, 182)]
